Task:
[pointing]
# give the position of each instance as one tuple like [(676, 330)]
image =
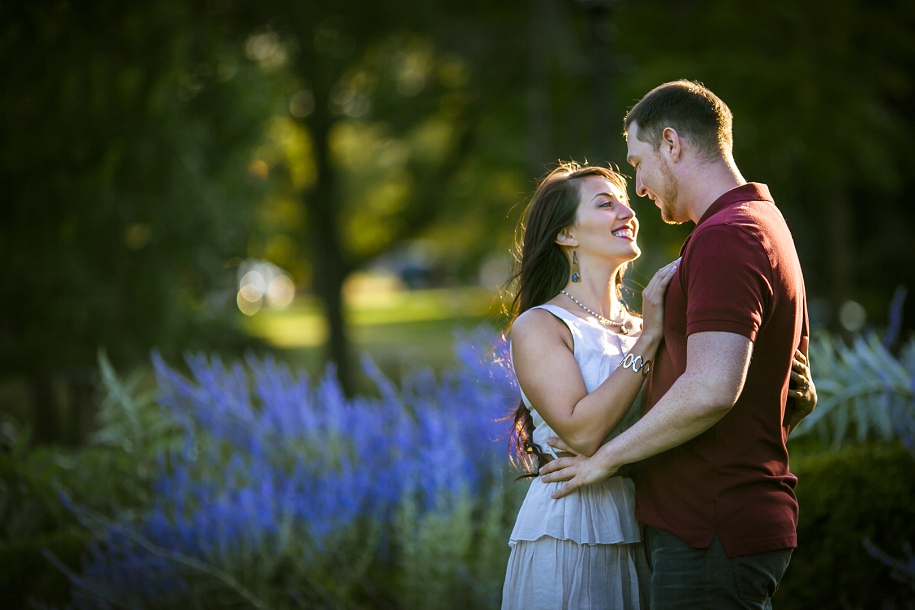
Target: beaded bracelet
[(636, 364)]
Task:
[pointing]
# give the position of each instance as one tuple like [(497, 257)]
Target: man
[(713, 486)]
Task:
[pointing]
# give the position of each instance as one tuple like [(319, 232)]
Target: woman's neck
[(597, 290)]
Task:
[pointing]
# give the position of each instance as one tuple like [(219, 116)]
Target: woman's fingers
[(668, 275), (800, 378), (560, 445), (661, 278), (802, 389), (668, 269)]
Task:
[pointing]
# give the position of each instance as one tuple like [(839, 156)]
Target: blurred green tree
[(124, 155), (146, 146), (380, 143)]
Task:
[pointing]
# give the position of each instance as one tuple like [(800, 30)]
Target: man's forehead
[(634, 144)]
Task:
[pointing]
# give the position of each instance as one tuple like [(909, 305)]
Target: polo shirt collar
[(751, 191)]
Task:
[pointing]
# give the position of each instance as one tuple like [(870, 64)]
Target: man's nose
[(639, 187)]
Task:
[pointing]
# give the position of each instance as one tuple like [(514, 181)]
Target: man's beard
[(668, 196)]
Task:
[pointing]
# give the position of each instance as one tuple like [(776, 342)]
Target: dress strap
[(563, 314)]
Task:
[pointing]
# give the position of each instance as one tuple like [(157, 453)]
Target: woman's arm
[(549, 375), (804, 392)]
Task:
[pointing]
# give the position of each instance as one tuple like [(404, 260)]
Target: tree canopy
[(147, 149)]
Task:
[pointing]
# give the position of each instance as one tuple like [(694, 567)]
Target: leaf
[(859, 385)]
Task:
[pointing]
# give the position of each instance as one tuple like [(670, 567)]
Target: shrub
[(248, 485), (866, 392), (845, 496), (282, 493), (26, 575), (860, 386)]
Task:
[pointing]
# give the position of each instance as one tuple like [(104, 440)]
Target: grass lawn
[(399, 330)]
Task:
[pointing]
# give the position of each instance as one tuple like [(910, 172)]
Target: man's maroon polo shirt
[(739, 274)]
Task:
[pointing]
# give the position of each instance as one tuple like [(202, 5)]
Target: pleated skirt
[(583, 551)]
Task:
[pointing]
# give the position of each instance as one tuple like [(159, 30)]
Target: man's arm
[(716, 369)]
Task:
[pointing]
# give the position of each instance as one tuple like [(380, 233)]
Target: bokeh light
[(245, 305), (280, 292), (263, 283), (852, 316)]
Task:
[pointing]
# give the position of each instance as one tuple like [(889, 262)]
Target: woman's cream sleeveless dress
[(584, 550)]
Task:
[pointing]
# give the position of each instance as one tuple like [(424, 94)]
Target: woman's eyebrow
[(611, 196)]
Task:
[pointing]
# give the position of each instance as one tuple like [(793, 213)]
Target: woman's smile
[(627, 233)]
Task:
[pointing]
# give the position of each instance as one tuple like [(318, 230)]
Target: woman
[(580, 358)]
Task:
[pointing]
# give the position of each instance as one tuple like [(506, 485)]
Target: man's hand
[(578, 471)]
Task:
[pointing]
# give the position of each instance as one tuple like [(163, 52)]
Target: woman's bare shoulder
[(535, 325)]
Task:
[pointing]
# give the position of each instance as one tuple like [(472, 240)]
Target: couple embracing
[(719, 355)]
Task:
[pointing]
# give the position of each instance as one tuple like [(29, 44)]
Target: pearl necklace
[(604, 321)]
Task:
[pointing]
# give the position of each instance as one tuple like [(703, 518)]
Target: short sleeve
[(728, 281)]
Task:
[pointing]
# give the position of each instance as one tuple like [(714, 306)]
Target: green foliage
[(32, 519), (124, 163), (450, 554), (113, 470), (26, 574), (455, 556), (858, 492), (130, 425), (859, 385)]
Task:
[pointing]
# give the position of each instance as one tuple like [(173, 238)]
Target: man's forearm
[(716, 369), (688, 409)]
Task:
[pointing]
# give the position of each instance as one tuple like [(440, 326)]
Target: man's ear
[(671, 144), (566, 238)]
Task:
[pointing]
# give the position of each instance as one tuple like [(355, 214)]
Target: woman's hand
[(804, 392), (560, 446), (653, 301)]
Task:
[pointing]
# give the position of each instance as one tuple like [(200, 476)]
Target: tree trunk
[(539, 114), (605, 142), (330, 264)]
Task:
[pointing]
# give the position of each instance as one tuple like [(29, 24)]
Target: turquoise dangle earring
[(576, 274)]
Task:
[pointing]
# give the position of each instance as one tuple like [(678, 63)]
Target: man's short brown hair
[(698, 115)]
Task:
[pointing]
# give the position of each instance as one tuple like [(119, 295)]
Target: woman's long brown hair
[(542, 270)]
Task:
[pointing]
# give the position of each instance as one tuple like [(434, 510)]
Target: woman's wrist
[(649, 341)]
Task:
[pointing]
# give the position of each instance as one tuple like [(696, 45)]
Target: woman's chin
[(625, 259), (632, 254)]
